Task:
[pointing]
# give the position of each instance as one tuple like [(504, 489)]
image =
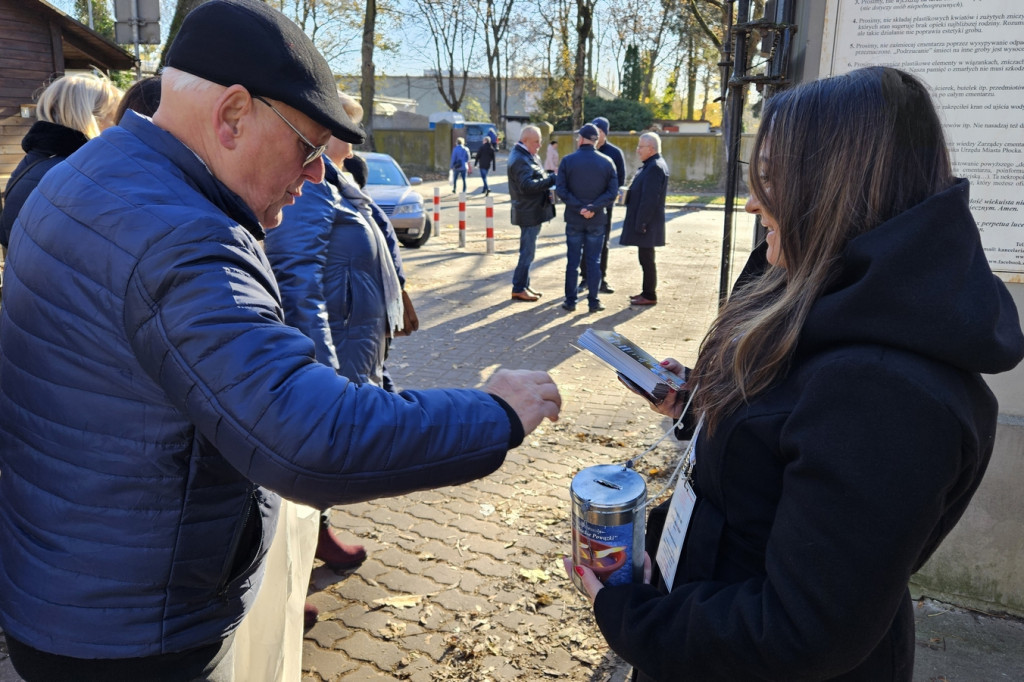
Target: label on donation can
[(608, 523)]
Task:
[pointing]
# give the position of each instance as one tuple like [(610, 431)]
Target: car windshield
[(384, 172)]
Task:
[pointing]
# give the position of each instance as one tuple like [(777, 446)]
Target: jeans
[(483, 176), (604, 250), (585, 239), (527, 249), (455, 179)]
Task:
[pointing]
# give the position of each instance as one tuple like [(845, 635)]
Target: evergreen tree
[(632, 75), (102, 20)]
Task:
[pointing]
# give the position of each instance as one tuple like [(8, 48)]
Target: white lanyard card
[(677, 522)]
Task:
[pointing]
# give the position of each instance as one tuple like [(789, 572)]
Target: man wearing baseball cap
[(587, 184), (604, 146), (156, 405)]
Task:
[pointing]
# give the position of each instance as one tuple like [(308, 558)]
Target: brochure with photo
[(637, 368)]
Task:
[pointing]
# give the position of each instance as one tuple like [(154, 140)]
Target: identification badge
[(676, 524)]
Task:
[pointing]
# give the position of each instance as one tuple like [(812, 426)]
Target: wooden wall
[(30, 55)]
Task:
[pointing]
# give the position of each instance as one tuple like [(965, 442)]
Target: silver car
[(387, 185)]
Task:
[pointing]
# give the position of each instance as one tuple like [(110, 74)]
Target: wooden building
[(40, 43)]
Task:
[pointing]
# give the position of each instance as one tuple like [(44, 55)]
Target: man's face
[(275, 170), (531, 141), (601, 137), (644, 149)]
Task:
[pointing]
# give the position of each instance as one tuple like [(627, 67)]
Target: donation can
[(608, 523)]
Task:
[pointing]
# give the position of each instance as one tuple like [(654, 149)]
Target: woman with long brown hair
[(844, 423)]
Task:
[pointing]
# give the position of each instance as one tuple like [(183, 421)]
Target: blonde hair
[(353, 108), (79, 101)]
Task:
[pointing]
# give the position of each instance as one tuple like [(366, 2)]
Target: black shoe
[(597, 308), (571, 307), (605, 289)]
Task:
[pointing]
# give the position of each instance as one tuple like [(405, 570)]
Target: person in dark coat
[(618, 158), (485, 161), (529, 188), (588, 184), (71, 110), (843, 422), (644, 225)]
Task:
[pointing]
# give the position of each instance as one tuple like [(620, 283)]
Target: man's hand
[(533, 395)]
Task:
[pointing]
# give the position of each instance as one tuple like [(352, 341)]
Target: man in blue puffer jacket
[(153, 396)]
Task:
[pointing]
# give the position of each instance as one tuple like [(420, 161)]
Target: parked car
[(476, 131), (387, 185)]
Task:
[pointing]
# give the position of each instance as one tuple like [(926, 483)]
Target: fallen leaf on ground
[(404, 601), (534, 575)]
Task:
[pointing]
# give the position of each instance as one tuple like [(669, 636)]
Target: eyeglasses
[(315, 151)]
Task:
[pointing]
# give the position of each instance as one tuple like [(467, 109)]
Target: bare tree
[(368, 82), (645, 23), (452, 26), (584, 27), (331, 24), (496, 15)]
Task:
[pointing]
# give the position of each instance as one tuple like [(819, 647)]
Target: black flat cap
[(252, 44)]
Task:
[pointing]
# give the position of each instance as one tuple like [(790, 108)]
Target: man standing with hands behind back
[(588, 184), (615, 154), (156, 405), (529, 187)]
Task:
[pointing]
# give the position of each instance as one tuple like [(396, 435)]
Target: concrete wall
[(693, 158), (697, 159), (416, 150), (981, 562)]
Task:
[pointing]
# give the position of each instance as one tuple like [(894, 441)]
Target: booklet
[(636, 368)]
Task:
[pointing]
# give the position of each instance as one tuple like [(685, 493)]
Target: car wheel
[(417, 242)]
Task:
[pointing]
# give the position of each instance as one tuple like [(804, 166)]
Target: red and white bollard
[(462, 220), (437, 211), (490, 223)]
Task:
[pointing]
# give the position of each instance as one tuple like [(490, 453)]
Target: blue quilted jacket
[(151, 396), (327, 264)]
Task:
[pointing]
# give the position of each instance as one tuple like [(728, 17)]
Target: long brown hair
[(833, 159)]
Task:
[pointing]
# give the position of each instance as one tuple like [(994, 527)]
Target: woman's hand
[(591, 582), (673, 404)]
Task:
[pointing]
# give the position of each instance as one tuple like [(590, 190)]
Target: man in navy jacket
[(156, 404), (615, 154), (588, 184)]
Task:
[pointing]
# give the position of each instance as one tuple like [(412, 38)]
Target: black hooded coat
[(819, 498)]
